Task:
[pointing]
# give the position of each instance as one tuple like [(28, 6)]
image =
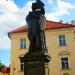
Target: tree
[(1, 66)]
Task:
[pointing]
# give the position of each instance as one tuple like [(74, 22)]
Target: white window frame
[(21, 66), (22, 43), (65, 63), (62, 40)]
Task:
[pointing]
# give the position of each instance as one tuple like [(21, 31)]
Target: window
[(22, 66), (23, 43), (64, 63), (62, 40)]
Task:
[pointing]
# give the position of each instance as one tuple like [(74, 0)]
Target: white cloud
[(4, 42), (2, 3), (11, 6), (12, 17), (27, 8), (61, 8), (50, 1), (51, 17)]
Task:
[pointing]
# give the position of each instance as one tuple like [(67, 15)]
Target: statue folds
[(36, 24)]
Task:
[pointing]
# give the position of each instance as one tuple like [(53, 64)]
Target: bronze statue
[(36, 24)]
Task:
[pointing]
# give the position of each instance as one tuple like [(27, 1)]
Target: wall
[(54, 50)]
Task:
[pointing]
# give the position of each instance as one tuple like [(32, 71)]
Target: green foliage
[(1, 66)]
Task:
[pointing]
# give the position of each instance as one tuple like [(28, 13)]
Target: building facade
[(60, 41)]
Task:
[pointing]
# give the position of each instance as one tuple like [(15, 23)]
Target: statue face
[(37, 5), (34, 6)]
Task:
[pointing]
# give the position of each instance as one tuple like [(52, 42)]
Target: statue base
[(36, 64)]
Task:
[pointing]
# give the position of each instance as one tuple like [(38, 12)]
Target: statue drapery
[(36, 24)]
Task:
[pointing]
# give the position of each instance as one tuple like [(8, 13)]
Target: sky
[(14, 12)]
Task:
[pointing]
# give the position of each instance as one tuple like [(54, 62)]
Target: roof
[(49, 25)]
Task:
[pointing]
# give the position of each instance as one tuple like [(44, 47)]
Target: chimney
[(73, 22), (60, 21)]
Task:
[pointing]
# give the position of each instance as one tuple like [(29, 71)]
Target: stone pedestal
[(36, 64)]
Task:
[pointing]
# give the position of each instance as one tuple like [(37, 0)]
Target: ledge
[(66, 69)]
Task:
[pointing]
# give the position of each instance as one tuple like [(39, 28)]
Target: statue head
[(40, 2), (38, 5)]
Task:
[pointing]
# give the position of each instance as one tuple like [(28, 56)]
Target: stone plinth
[(35, 64)]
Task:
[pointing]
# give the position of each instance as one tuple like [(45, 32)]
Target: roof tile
[(49, 25)]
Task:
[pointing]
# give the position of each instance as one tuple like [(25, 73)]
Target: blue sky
[(13, 13), (5, 56)]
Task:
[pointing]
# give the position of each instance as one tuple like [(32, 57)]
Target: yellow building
[(60, 40)]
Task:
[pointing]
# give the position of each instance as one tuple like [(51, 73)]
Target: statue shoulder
[(42, 22), (42, 17)]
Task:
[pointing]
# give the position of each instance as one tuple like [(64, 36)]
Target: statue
[(37, 58), (36, 24)]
